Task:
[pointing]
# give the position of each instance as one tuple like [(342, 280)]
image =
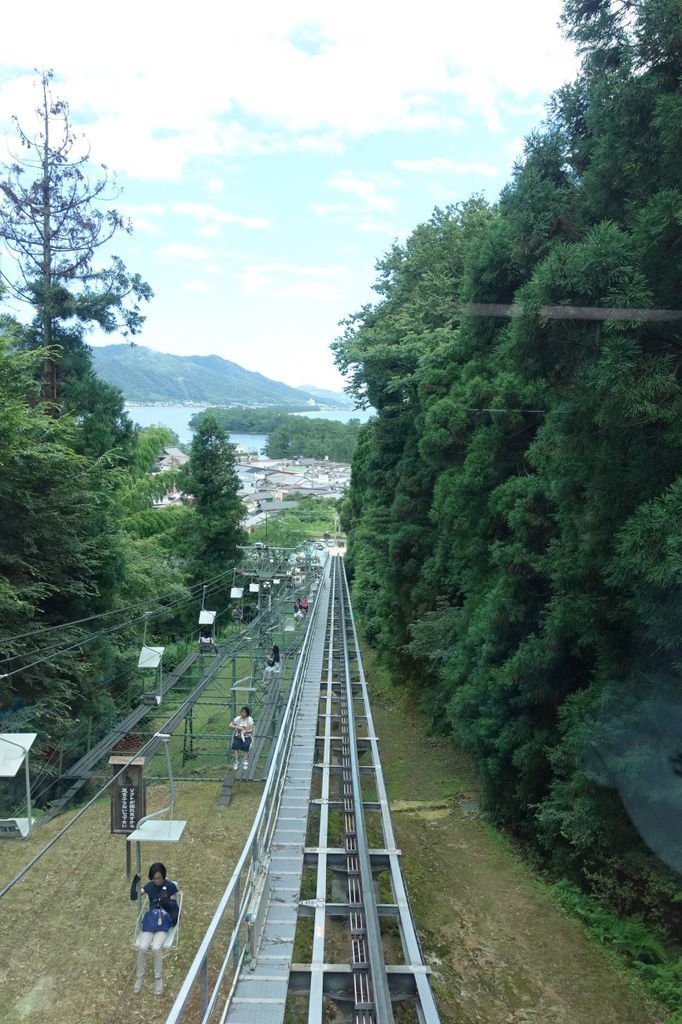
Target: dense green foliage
[(87, 563), (301, 437), (240, 419), (212, 536), (289, 436), (515, 511)]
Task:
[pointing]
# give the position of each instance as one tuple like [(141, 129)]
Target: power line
[(56, 651), (113, 611), (119, 706), (500, 309)]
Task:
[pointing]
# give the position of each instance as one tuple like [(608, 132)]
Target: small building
[(171, 458)]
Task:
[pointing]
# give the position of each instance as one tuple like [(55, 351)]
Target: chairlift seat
[(172, 935), (18, 828), (14, 750), (207, 646)]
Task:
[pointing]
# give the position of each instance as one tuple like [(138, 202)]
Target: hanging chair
[(153, 828), (172, 935)]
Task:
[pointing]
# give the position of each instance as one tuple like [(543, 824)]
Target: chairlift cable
[(144, 749), (120, 706), (55, 651), (79, 814), (147, 747), (100, 615)]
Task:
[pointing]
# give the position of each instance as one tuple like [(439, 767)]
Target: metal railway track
[(323, 826), (371, 994)]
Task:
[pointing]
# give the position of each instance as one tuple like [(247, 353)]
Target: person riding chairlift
[(272, 662), (158, 920)]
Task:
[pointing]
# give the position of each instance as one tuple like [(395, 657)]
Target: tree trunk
[(49, 386)]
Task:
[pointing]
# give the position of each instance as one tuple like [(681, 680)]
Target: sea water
[(177, 417)]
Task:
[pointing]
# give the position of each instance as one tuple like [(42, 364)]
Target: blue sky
[(269, 156)]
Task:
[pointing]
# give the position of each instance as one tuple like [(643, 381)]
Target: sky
[(269, 154)]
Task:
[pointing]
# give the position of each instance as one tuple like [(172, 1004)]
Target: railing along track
[(364, 954)]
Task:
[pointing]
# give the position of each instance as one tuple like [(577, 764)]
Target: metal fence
[(215, 968)]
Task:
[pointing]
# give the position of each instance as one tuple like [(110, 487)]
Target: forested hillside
[(515, 514), (289, 436), (87, 566), (144, 375)]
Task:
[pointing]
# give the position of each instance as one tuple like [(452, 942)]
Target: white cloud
[(142, 209), (514, 149), (331, 209), (154, 99), (440, 165), (181, 251), (373, 227), (195, 286), (147, 227), (363, 188), (271, 276), (203, 212), (141, 216), (323, 143), (318, 291)]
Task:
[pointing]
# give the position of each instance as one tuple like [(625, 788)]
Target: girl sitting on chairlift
[(156, 923), (242, 726)]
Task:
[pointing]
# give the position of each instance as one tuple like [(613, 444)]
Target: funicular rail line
[(371, 995), (325, 787)]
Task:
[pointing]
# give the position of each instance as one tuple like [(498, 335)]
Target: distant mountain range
[(337, 399), (147, 376)]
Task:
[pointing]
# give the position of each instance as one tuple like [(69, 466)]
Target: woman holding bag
[(156, 923), (242, 734)]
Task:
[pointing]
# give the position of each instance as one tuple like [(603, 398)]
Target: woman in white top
[(242, 727)]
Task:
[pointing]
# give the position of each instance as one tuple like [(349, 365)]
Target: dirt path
[(502, 951)]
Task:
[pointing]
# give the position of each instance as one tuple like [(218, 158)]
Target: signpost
[(128, 797)]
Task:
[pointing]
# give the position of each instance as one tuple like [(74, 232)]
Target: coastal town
[(266, 485)]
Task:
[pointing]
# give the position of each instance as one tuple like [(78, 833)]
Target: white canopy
[(150, 657), (14, 746), (157, 830)]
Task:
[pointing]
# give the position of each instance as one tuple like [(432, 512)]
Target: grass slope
[(502, 950), (65, 946)]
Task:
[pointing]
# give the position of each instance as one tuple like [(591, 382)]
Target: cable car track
[(364, 954), (371, 995)]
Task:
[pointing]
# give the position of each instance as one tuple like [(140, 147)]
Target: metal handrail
[(251, 859)]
